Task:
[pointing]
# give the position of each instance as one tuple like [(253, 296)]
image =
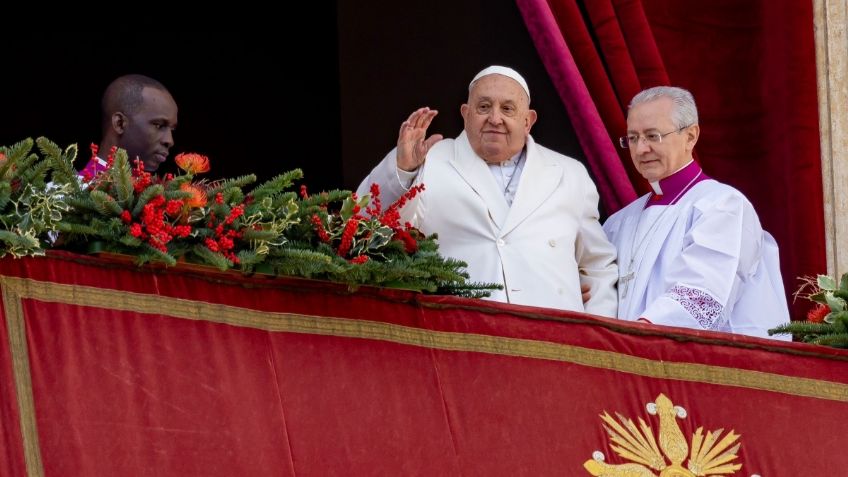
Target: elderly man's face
[(657, 161), (497, 117), (149, 131)]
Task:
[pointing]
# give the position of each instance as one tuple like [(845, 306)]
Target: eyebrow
[(492, 100), (163, 119)]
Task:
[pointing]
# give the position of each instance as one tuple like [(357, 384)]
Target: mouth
[(160, 157), (492, 135)]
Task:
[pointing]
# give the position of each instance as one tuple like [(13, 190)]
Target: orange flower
[(192, 163), (198, 195), (817, 314)]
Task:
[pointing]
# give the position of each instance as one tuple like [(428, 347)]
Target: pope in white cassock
[(692, 253), (519, 214)]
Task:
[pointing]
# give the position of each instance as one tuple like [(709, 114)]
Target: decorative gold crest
[(708, 455)]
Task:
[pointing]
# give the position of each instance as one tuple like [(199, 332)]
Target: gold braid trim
[(15, 289), (13, 311)]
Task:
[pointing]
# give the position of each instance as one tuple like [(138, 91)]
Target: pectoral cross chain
[(624, 282)]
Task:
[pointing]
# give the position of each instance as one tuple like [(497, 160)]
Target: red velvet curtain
[(594, 120), (751, 67)]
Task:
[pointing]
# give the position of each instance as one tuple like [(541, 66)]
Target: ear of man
[(119, 122)]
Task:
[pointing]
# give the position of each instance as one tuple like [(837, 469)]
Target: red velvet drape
[(108, 370), (587, 114), (751, 67)]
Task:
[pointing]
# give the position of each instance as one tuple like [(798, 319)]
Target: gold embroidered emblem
[(707, 454)]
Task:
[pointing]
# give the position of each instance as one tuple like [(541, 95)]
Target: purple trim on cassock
[(676, 185), (95, 166)]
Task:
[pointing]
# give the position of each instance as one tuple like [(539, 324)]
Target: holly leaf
[(826, 283)]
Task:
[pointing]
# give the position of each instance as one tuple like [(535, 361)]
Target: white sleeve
[(393, 182), (703, 279), (596, 257)]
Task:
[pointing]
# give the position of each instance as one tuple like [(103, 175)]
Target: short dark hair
[(124, 95)]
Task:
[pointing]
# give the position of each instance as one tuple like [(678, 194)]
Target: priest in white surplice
[(691, 253), (519, 214)]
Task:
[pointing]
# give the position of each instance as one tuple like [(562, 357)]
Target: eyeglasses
[(651, 138)]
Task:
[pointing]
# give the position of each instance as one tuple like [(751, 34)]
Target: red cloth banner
[(108, 369)]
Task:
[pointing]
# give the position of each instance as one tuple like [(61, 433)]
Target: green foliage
[(827, 324), (228, 223), (29, 208)]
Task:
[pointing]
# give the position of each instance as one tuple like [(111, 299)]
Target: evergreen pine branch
[(97, 229), (238, 182), (61, 162), (428, 245), (802, 328), (19, 244), (10, 237), (212, 258), (82, 209), (130, 241), (276, 184), (302, 231), (48, 148), (23, 164), (175, 194), (36, 174), (233, 195), (283, 198), (176, 182), (276, 230), (120, 176), (179, 248), (468, 290), (5, 194), (151, 254), (263, 235), (839, 340), (324, 198), (105, 204), (302, 262), (81, 204), (77, 229), (249, 259), (389, 274), (14, 155), (220, 210), (145, 196)]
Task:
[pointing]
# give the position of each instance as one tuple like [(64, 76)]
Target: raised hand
[(413, 143)]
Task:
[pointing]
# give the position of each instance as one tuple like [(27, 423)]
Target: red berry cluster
[(390, 218), (225, 233), (153, 227)]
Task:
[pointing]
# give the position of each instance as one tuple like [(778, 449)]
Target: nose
[(495, 116), (642, 145), (168, 138)]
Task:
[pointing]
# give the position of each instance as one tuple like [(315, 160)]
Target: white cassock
[(540, 248), (703, 262)]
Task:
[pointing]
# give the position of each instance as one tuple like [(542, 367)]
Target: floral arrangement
[(827, 321), (29, 208), (228, 224)]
